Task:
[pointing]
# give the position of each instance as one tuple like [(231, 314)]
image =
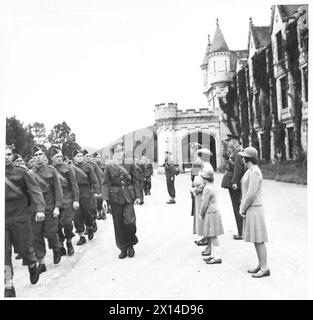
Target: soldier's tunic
[(47, 178), (70, 194), (141, 174), (233, 175), (87, 181), (148, 174), (121, 189), (19, 187), (99, 200)]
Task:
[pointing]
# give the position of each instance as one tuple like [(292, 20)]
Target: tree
[(18, 135), (38, 130)]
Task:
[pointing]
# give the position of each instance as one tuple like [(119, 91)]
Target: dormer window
[(279, 42)]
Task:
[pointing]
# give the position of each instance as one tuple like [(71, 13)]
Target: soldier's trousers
[(171, 186), (141, 190), (124, 221), (66, 219), (45, 229), (19, 235), (235, 196), (84, 215), (147, 185)]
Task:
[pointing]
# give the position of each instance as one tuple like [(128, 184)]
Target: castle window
[(284, 92), (225, 66), (305, 78), (290, 142), (279, 42), (214, 66)]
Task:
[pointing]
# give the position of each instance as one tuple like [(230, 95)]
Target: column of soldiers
[(44, 201)]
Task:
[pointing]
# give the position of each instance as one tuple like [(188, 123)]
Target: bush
[(290, 171)]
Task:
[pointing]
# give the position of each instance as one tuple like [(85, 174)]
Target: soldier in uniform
[(95, 193), (232, 177), (48, 180), (19, 187), (170, 177), (101, 215), (121, 189), (86, 180), (141, 174), (148, 174), (70, 200)]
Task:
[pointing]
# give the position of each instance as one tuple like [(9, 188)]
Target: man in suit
[(121, 188), (232, 177)]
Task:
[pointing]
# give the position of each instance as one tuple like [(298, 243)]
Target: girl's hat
[(250, 152), (207, 173)]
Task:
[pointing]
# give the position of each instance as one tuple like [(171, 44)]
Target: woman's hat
[(207, 173), (250, 152)]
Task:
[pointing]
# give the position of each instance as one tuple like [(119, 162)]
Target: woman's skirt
[(254, 227), (212, 225)]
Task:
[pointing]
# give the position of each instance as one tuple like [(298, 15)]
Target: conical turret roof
[(219, 43)]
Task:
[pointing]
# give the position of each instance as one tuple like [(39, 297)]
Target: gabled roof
[(237, 55), (285, 11), (219, 43), (261, 36)]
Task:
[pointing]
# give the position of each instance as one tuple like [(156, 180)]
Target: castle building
[(177, 129)]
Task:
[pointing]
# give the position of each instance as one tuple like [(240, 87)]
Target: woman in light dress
[(251, 209)]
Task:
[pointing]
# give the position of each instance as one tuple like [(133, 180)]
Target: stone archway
[(207, 140)]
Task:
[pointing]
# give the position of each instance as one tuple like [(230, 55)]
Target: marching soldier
[(148, 174), (19, 187), (70, 200), (121, 189), (47, 178), (95, 191), (101, 215), (141, 174), (86, 179)]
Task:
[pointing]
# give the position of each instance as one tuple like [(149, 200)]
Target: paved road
[(168, 265)]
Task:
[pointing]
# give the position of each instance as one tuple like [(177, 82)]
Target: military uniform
[(70, 194), (86, 180), (140, 171), (148, 174), (20, 187), (121, 187), (233, 175), (170, 178)]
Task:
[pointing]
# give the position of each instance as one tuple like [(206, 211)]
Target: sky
[(102, 65)]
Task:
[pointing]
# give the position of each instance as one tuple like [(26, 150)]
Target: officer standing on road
[(148, 174), (70, 200), (170, 177), (232, 177), (86, 180), (47, 178), (121, 189), (19, 188)]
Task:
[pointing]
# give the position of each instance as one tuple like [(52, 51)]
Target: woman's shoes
[(214, 261), (207, 259), (262, 273), (256, 270), (205, 253), (201, 242)]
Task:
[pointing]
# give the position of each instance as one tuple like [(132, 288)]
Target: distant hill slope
[(144, 138)]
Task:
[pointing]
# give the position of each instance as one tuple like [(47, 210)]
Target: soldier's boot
[(9, 292), (56, 256), (131, 251), (81, 241), (34, 273), (123, 254), (41, 268), (70, 249), (90, 233), (94, 227)]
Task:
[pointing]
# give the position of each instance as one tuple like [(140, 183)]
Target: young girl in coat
[(212, 221)]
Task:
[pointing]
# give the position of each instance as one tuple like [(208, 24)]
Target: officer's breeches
[(66, 222), (124, 221), (83, 216), (235, 196), (45, 229), (170, 187)]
